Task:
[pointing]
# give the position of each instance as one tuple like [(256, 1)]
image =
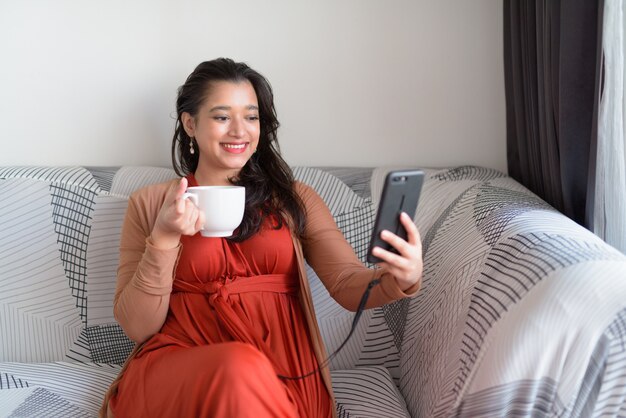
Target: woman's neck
[(214, 178)]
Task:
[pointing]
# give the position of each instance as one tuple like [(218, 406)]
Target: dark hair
[(268, 179)]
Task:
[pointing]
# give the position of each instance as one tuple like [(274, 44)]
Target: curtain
[(551, 63), (609, 221)]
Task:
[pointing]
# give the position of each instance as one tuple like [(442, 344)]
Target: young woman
[(222, 323)]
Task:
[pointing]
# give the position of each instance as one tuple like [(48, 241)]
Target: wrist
[(164, 240), (412, 287)]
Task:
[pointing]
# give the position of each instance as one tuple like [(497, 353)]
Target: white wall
[(357, 82)]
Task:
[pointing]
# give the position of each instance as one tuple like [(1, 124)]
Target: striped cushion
[(367, 392), (57, 389)]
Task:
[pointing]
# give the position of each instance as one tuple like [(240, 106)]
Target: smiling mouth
[(234, 148)]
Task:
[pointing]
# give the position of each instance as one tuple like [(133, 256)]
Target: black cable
[(355, 321)]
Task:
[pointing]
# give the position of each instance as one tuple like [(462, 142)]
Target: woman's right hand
[(177, 217)]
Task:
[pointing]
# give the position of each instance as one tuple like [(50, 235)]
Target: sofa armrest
[(520, 308)]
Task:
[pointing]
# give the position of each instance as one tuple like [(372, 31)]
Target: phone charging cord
[(355, 322)]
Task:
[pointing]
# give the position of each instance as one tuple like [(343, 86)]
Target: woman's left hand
[(406, 266)]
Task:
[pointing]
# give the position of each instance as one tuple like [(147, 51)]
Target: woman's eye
[(221, 118), (253, 117)]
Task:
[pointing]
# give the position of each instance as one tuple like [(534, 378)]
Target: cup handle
[(190, 196)]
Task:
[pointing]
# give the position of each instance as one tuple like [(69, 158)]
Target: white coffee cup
[(223, 208)]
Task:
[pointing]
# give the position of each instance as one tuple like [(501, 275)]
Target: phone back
[(401, 193)]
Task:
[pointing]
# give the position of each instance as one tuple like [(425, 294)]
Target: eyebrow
[(249, 107)]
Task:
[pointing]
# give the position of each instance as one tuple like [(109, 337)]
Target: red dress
[(234, 323)]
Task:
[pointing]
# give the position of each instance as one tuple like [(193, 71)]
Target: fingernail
[(384, 233)]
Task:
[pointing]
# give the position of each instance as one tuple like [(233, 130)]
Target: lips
[(234, 147)]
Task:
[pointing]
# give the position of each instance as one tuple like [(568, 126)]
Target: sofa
[(522, 312)]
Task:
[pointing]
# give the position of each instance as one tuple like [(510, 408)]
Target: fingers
[(396, 242), (200, 221), (192, 219), (175, 194), (406, 266), (391, 258), (179, 214), (190, 211), (413, 236), (407, 269), (182, 187), (177, 190)]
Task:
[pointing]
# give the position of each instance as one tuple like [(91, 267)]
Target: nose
[(236, 128)]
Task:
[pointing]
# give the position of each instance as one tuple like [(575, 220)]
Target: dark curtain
[(552, 53)]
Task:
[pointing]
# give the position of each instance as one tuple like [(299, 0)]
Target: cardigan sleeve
[(336, 264), (145, 273)]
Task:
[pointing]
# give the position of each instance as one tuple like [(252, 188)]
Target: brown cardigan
[(146, 273)]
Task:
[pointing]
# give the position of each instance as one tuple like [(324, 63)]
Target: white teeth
[(239, 146)]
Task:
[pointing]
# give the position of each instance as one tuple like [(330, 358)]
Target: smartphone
[(401, 193)]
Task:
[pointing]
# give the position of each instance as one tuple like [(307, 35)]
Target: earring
[(191, 150)]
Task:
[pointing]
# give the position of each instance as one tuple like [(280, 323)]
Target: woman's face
[(226, 129)]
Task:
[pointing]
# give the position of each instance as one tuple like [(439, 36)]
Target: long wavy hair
[(268, 179)]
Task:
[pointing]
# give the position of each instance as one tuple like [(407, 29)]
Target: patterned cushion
[(367, 392), (42, 301), (54, 389)]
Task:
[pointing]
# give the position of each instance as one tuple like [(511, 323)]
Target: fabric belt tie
[(222, 289), (233, 319)]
